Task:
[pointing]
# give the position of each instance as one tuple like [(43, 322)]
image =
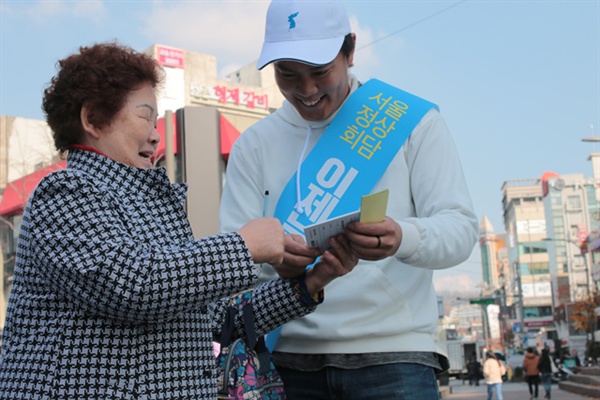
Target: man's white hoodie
[(384, 306)]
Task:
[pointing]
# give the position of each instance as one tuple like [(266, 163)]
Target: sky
[(518, 82)]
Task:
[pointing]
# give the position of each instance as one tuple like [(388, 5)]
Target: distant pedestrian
[(474, 370), (532, 373), (577, 360), (493, 370), (545, 368)]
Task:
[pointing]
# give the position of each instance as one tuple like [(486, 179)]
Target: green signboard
[(483, 300)]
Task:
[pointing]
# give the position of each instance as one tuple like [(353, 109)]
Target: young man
[(372, 338)]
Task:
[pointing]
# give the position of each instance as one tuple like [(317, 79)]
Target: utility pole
[(521, 305), (169, 153), (502, 315)]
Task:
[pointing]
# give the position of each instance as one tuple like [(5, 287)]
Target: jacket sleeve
[(444, 230), (275, 302)]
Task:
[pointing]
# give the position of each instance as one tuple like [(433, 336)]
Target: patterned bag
[(244, 367)]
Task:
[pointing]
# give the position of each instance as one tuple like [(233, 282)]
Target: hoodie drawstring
[(299, 207)]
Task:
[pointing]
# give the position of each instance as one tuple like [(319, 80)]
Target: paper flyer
[(318, 235), (373, 209)]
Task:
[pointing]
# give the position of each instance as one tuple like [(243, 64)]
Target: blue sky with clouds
[(517, 81)]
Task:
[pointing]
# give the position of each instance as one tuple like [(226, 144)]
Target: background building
[(573, 222), (529, 292), (496, 275), (494, 261)]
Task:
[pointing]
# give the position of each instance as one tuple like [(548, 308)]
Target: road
[(510, 391)]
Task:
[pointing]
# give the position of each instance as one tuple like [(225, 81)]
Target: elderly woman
[(112, 295)]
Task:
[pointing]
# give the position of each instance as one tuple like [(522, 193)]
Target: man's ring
[(378, 242)]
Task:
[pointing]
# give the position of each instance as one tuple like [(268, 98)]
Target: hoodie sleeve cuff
[(410, 240)]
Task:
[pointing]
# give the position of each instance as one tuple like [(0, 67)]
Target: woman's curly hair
[(99, 77)]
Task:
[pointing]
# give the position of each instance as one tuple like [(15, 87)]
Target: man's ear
[(87, 125), (351, 56)]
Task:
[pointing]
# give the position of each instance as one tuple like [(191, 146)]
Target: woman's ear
[(87, 125)]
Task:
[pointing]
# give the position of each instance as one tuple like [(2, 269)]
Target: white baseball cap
[(309, 31)]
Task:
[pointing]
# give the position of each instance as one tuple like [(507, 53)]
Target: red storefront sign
[(170, 57)]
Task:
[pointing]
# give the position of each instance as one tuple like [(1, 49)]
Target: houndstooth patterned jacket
[(112, 296)]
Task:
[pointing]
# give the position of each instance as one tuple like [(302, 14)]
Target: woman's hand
[(335, 262), (374, 241), (296, 258), (264, 238)]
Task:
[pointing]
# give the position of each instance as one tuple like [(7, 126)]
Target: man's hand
[(374, 241), (335, 262)]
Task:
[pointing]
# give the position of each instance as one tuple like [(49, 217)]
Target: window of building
[(574, 202), (534, 268), (557, 221), (579, 262), (537, 312), (574, 231), (533, 247), (9, 234)]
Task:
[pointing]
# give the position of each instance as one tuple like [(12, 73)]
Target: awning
[(228, 135), (16, 193)]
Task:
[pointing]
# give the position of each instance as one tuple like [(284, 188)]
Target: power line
[(406, 27), (411, 25)]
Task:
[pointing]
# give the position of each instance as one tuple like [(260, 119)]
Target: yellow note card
[(373, 207)]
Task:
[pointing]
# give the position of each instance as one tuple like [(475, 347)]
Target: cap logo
[(291, 20), (307, 31)]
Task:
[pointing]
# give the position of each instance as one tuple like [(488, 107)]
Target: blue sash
[(349, 159)]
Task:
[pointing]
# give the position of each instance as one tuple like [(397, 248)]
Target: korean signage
[(538, 324), (531, 226), (170, 57), (538, 289), (226, 95)]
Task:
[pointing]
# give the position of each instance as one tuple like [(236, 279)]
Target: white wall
[(29, 144)]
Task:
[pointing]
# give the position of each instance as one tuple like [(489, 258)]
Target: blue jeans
[(494, 387), (388, 381), (547, 381)]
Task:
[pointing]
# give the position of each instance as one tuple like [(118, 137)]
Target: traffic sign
[(483, 300)]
